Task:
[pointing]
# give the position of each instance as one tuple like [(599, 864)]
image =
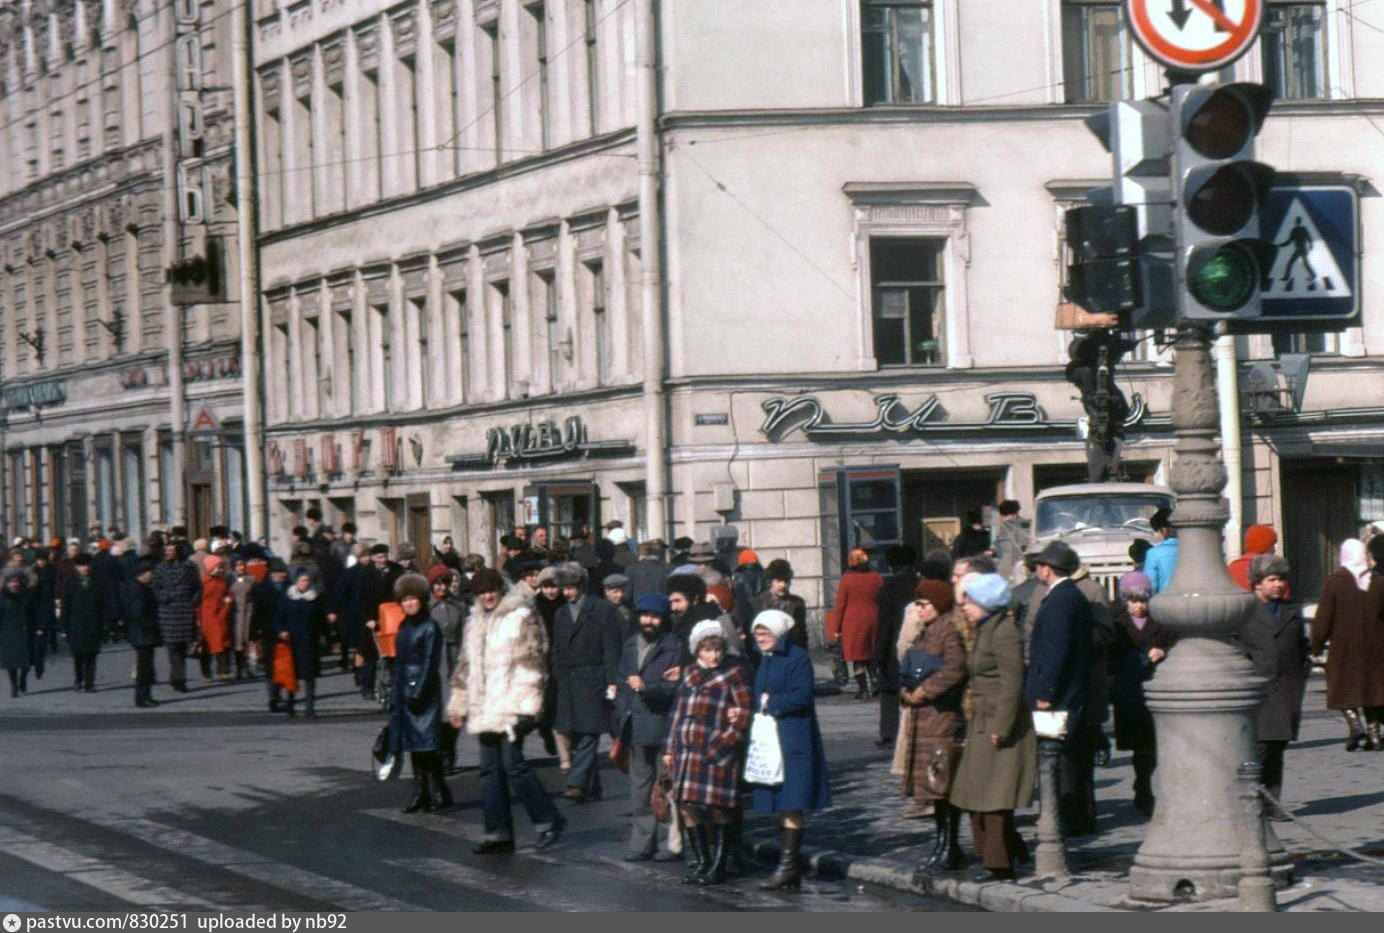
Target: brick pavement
[(863, 836)]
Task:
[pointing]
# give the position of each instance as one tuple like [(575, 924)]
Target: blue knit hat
[(652, 602), (989, 591)]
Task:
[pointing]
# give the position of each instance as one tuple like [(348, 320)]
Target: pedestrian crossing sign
[(1315, 270)]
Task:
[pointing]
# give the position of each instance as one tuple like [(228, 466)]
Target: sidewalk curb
[(998, 896)]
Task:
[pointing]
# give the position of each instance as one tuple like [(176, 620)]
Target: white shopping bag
[(764, 763)]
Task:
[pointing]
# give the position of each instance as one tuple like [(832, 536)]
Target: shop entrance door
[(935, 501), (1320, 503), (420, 528), (200, 513), (860, 509)]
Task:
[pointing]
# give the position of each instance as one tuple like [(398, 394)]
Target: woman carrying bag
[(783, 690), (932, 670)]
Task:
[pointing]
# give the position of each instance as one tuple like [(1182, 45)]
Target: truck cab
[(1099, 521)]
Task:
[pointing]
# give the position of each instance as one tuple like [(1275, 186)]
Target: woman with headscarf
[(783, 689), (1348, 620), (999, 764), (214, 615), (855, 617), (447, 555), (933, 724), (16, 627), (703, 751), (1140, 645)]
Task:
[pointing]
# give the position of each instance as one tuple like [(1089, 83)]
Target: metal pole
[(1256, 884), (1050, 861), (650, 288), (247, 229), (176, 511)]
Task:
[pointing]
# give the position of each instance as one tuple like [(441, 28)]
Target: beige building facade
[(858, 255)]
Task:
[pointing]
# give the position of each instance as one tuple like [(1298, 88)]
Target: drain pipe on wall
[(1232, 450), (650, 286), (175, 512)]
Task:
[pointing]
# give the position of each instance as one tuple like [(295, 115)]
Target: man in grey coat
[(1273, 639), (587, 640), (642, 705)]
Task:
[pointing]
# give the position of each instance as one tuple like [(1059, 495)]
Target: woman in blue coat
[(783, 690), (302, 619), (416, 694)]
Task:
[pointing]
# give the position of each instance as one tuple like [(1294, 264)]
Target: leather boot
[(310, 694), (695, 850), (953, 858), (440, 797), (939, 843), (420, 799), (1357, 736), (788, 875), (714, 872)]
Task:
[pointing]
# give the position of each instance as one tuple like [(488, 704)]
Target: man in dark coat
[(649, 571), (1274, 640), (84, 611), (587, 639), (374, 587), (178, 591), (45, 598), (642, 704), (16, 627), (106, 575), (974, 538), (266, 598), (141, 612), (1059, 679), (779, 575), (894, 598)]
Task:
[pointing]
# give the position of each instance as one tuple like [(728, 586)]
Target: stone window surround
[(915, 209)]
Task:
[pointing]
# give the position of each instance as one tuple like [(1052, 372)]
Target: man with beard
[(587, 639), (687, 601)]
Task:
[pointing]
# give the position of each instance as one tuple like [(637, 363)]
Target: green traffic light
[(1227, 279)]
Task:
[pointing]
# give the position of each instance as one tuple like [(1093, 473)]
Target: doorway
[(420, 528), (1320, 502), (935, 501)]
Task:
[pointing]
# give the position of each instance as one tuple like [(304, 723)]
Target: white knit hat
[(776, 621), (707, 628)]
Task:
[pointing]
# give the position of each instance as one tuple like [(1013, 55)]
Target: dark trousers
[(1076, 784), (586, 770), (643, 770), (504, 775), (888, 714), (144, 672), (84, 668), (996, 841), (177, 662), (1271, 760)]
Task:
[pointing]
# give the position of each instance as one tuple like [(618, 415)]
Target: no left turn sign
[(1195, 35)]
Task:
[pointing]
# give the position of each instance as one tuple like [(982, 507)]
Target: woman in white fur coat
[(497, 693)]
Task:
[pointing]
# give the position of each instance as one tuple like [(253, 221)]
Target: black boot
[(289, 705), (863, 683), (1357, 735), (933, 862), (310, 695), (440, 796), (420, 800), (953, 859), (1143, 783), (788, 875), (694, 848), (714, 872)]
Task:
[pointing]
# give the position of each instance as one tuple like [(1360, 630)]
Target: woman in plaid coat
[(704, 749)]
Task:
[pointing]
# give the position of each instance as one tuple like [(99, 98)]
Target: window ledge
[(911, 192)]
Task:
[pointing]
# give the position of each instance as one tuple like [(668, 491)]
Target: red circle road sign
[(1195, 35)]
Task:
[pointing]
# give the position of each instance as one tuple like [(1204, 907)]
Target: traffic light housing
[(1221, 261), (198, 279)]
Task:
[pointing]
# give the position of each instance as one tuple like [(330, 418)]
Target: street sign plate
[(1195, 35), (204, 422), (1315, 274)]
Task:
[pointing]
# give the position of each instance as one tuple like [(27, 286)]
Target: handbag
[(1050, 723), (917, 666), (764, 762), (660, 800), (937, 777), (284, 673), (386, 762)]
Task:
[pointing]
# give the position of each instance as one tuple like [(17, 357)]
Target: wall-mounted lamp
[(35, 341)]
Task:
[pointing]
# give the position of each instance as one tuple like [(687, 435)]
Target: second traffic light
[(1218, 189)]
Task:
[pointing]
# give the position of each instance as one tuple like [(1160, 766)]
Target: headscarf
[(776, 621), (1353, 559), (1136, 585)]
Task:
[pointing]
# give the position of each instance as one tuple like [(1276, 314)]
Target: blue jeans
[(504, 772)]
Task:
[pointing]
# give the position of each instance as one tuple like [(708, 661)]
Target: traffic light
[(199, 279), (1121, 241), (1218, 189)]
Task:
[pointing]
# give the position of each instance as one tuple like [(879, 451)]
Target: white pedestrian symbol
[(1303, 266)]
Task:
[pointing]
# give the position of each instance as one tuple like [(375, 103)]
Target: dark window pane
[(896, 53), (890, 342), (1294, 50), (903, 260)]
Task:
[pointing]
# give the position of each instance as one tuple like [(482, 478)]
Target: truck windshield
[(1073, 513)]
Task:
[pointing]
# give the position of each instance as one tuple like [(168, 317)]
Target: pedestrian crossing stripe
[(1303, 266)]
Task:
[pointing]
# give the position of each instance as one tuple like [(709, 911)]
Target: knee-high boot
[(441, 797), (1143, 782), (1356, 730), (788, 875), (694, 845), (420, 800), (940, 818), (714, 872)]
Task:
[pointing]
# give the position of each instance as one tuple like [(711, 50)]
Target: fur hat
[(406, 551), (937, 593), (701, 553), (779, 569), (1268, 565), (1060, 557), (412, 584), (775, 620), (82, 560), (707, 628), (989, 591), (689, 585), (570, 573), (486, 580), (548, 575), (380, 548)]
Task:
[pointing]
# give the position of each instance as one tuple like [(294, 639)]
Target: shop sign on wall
[(36, 395), (544, 440), (892, 417)]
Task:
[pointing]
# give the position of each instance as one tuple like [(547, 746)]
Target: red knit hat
[(747, 557), (1259, 539), (937, 593), (438, 573), (723, 596)]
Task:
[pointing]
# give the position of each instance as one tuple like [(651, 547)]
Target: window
[(492, 53), (898, 51), (458, 299), (132, 479), (333, 169), (540, 55), (1294, 49), (545, 297), (168, 479), (600, 320), (1096, 52), (906, 289), (368, 129), (105, 487), (593, 74), (380, 337), (507, 335), (345, 339), (418, 322), (304, 171), (408, 150), (272, 177), (1304, 343), (314, 390)]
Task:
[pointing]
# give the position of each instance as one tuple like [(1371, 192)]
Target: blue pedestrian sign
[(1315, 273)]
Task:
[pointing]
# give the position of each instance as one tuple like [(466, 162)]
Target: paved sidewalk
[(863, 837)]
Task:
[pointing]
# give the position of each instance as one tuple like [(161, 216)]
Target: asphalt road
[(209, 802)]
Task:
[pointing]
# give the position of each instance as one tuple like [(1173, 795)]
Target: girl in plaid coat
[(704, 750)]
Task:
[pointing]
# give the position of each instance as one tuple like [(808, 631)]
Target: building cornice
[(90, 180)]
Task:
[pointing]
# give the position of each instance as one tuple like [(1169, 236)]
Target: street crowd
[(693, 660)]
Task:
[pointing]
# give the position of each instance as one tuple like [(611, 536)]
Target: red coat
[(856, 615), (214, 613)]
